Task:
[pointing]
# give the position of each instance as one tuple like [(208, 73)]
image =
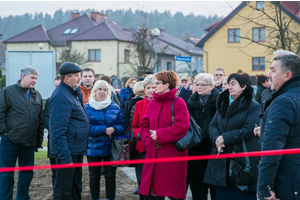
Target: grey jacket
[(21, 118)]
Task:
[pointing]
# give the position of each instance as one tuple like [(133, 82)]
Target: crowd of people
[(84, 116)]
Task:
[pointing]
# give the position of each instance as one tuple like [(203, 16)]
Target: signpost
[(184, 59)]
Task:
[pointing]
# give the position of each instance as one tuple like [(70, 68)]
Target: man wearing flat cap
[(69, 127)]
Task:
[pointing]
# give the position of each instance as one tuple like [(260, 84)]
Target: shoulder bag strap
[(245, 150), (172, 110)]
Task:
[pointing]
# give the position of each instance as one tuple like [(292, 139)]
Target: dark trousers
[(196, 171), (95, 176), (53, 162), (10, 152), (68, 181), (138, 172)]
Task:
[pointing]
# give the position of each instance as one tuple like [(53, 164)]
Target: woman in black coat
[(237, 116), (202, 106)]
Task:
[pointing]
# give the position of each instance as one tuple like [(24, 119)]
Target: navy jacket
[(99, 144), (124, 93), (280, 129), (69, 124), (185, 94)]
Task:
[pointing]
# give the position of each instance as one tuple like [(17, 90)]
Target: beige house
[(102, 41)]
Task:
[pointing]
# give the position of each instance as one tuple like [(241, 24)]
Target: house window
[(234, 35), (94, 55), (258, 63), (260, 5), (169, 66), (126, 55), (158, 66), (71, 31), (259, 34)]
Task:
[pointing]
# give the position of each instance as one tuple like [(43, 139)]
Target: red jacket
[(139, 111), (167, 178)]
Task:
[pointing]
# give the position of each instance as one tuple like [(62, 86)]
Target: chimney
[(74, 15), (144, 31), (95, 16), (103, 15), (162, 30)]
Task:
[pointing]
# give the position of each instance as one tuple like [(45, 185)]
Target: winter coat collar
[(194, 101), (240, 104), (70, 89), (22, 89), (293, 82), (165, 96), (128, 90)]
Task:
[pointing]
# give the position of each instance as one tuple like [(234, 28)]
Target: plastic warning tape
[(155, 160)]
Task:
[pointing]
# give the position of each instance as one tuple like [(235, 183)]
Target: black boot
[(156, 197)]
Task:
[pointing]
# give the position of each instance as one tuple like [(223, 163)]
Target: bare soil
[(41, 185)]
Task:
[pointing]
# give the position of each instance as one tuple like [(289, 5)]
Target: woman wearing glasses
[(234, 121), (158, 135), (202, 106)]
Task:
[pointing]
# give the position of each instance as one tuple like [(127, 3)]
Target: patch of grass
[(45, 143), (40, 155)]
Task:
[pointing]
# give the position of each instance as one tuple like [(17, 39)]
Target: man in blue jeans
[(21, 131)]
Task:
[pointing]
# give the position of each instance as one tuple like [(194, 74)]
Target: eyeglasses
[(202, 85), (219, 75), (158, 82)]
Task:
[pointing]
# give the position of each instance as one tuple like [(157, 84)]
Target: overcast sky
[(207, 8)]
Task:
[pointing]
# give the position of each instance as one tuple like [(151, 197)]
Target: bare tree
[(275, 30), (73, 55), (142, 49)]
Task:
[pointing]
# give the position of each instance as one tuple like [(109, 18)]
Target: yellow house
[(242, 40)]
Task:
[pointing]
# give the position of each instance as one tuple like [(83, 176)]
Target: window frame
[(258, 2), (95, 55), (170, 65), (258, 65), (259, 34), (128, 51), (234, 35)]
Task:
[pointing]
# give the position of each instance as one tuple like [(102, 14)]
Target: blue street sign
[(184, 59)]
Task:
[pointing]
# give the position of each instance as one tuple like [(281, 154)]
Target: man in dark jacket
[(219, 77), (69, 128), (21, 131), (262, 84), (45, 118), (279, 176), (181, 91)]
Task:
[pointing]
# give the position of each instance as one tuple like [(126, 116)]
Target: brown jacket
[(85, 94)]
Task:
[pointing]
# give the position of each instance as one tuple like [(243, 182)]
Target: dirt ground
[(41, 185)]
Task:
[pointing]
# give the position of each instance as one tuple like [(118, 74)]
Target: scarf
[(100, 105), (204, 98)]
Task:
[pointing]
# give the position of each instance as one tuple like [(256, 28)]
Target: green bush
[(3, 82)]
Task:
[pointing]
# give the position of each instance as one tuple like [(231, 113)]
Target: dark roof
[(35, 34), (82, 22), (180, 44), (107, 30), (289, 7), (191, 40)]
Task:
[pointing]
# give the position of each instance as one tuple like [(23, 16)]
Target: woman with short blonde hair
[(106, 122)]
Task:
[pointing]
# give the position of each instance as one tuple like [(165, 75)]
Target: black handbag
[(239, 176), (116, 149), (193, 137)]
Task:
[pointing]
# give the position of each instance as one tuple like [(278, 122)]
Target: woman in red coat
[(157, 136), (139, 112)]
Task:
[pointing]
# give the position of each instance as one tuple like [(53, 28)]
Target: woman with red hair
[(157, 137)]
